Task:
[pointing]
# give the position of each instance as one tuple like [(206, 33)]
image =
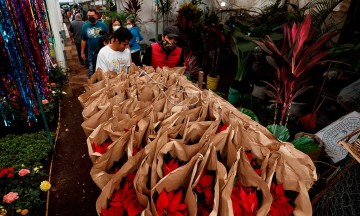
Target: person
[(134, 43), (90, 36), (75, 35), (104, 40), (67, 18), (115, 55), (165, 52), (115, 24)]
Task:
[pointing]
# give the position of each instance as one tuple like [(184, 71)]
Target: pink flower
[(24, 172), (10, 197), (44, 101), (53, 84)]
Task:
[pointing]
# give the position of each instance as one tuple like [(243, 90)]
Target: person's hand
[(83, 56)]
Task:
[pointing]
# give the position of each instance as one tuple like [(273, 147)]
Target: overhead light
[(222, 4)]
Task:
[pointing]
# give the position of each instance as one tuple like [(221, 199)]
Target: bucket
[(212, 82), (233, 96)]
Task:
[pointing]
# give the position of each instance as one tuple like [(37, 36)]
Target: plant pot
[(212, 82), (233, 96)]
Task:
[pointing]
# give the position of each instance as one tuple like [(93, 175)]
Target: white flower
[(53, 92), (64, 93)]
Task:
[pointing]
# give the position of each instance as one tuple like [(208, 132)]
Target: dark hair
[(105, 37), (122, 34), (112, 22), (131, 20), (92, 10)]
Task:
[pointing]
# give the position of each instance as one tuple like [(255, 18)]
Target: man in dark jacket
[(165, 52), (75, 35)]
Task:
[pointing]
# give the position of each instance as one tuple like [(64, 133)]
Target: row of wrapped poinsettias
[(161, 146)]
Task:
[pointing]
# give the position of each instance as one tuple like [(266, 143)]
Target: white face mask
[(116, 28), (128, 26)]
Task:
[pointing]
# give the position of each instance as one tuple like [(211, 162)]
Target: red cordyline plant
[(133, 7), (293, 61)]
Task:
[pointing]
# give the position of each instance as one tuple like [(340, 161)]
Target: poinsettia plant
[(205, 192), (253, 162), (171, 164), (293, 61), (102, 148), (245, 200), (171, 203), (283, 201), (124, 200)]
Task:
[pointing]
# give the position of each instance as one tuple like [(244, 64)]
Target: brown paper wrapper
[(279, 168), (103, 163), (131, 166), (179, 178), (249, 178)]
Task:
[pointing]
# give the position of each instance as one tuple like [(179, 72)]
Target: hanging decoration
[(25, 59)]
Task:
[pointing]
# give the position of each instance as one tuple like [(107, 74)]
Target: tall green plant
[(292, 62)]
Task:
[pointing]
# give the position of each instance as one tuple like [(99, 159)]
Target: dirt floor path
[(73, 191)]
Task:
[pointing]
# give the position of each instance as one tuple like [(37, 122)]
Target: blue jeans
[(89, 60)]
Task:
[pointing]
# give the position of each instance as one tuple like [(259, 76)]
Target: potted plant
[(293, 62), (241, 47), (213, 41)]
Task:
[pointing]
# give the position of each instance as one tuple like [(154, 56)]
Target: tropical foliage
[(293, 61)]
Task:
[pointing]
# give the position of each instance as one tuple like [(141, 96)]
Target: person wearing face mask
[(165, 52), (90, 36), (135, 41), (115, 55), (114, 25)]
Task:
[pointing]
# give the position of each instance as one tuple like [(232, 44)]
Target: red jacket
[(160, 59)]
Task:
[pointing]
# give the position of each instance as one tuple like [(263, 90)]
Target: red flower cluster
[(124, 200), (280, 204), (253, 162), (171, 204), (102, 148), (205, 194), (170, 166), (222, 128), (244, 200), (8, 172)]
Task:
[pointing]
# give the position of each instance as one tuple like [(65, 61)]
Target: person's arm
[(83, 43), (71, 33), (147, 56), (101, 62)]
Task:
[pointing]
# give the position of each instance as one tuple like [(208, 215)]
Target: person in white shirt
[(117, 54)]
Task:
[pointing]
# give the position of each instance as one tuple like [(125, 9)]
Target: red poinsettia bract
[(102, 148), (124, 201), (170, 204), (222, 128), (253, 162), (280, 205), (205, 189), (170, 166), (244, 200)]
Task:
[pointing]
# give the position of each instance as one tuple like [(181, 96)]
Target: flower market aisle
[(73, 191)]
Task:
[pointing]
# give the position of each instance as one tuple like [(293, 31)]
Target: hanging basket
[(352, 148)]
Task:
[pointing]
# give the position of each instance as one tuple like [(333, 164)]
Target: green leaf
[(305, 144), (249, 113), (279, 131)]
